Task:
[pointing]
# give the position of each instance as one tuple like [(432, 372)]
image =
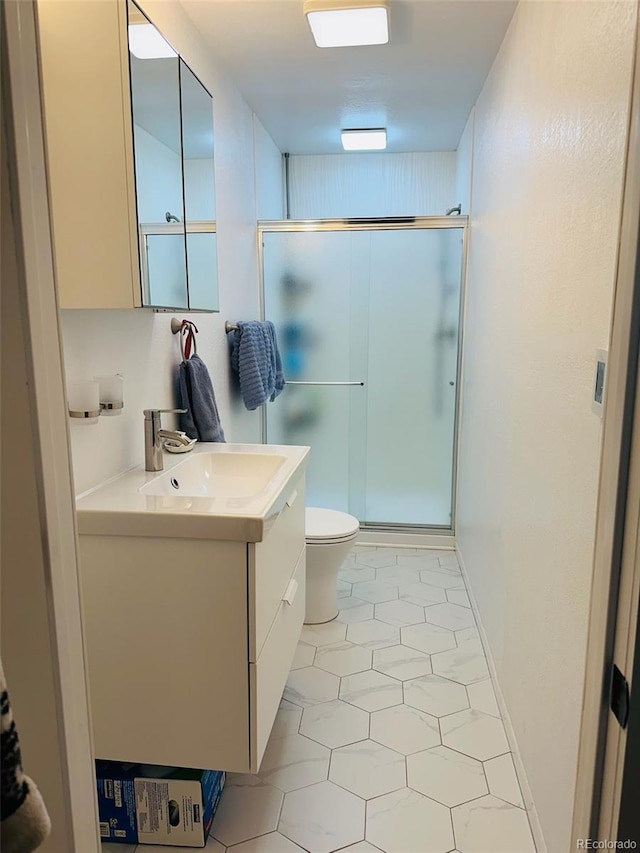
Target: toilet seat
[(329, 526)]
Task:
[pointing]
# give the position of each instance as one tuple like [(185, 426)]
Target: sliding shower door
[(367, 321)]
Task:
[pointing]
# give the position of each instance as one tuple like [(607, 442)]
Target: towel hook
[(187, 330)]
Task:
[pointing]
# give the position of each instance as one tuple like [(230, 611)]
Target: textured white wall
[(464, 166), (139, 343), (327, 186), (550, 129), (270, 201)]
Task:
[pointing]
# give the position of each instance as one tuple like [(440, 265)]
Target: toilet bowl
[(330, 536)]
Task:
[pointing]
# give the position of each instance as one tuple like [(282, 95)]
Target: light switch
[(599, 382)]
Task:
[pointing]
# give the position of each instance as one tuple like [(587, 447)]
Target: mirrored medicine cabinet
[(130, 161), (174, 173)]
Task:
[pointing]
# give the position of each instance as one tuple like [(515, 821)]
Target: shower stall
[(367, 314)]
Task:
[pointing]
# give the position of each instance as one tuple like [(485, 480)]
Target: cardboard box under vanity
[(150, 804)]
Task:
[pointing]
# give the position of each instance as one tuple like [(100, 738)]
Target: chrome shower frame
[(461, 223)]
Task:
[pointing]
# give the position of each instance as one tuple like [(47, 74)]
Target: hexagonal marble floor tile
[(492, 824), (303, 656), (371, 690), (406, 821), (357, 574), (354, 613), (475, 734), (323, 635), (368, 769), (405, 729), (402, 662), (464, 665), (343, 588), (422, 594), (448, 777), (375, 591), (311, 686), (428, 638), (502, 779), (482, 697), (287, 721), (360, 847), (469, 636), (399, 613), (350, 601), (294, 762), (445, 580), (249, 806), (335, 724), (449, 560), (343, 658), (435, 695), (377, 559), (305, 816), (451, 616), (373, 634), (458, 596), (418, 562), (274, 842), (396, 575)]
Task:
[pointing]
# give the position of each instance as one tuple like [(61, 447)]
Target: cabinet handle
[(291, 499), (291, 592)]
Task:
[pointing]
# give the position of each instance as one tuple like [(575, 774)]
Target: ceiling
[(421, 86)]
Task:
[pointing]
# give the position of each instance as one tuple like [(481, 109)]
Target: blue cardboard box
[(151, 804)]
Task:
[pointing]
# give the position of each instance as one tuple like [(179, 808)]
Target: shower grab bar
[(296, 382)]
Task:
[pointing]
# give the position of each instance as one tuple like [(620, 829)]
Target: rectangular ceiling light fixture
[(348, 23), (370, 139)]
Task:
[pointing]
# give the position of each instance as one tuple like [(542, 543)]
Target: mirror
[(199, 193), (174, 173)]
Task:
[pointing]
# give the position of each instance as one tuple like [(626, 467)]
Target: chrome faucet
[(154, 435)]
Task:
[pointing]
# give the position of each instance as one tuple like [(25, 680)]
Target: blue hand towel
[(256, 359), (201, 420)]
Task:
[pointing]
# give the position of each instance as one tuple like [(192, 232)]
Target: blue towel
[(202, 420), (256, 360)]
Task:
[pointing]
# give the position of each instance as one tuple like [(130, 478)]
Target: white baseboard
[(534, 821), (381, 539)]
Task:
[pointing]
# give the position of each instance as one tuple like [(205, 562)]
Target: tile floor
[(388, 737)]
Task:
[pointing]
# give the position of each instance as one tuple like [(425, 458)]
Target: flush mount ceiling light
[(347, 23), (370, 139), (145, 42)]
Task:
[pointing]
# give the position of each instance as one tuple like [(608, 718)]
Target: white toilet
[(330, 536)]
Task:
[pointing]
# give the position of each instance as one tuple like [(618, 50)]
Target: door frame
[(594, 792), (51, 672)]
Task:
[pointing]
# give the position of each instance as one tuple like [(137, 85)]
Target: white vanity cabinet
[(190, 640)]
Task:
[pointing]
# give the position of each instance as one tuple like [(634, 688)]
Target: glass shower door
[(367, 322), (310, 297)]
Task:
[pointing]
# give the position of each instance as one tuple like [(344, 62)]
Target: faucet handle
[(151, 413)]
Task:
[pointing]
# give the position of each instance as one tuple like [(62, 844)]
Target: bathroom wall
[(139, 343), (270, 201), (548, 157), (330, 186), (464, 167)]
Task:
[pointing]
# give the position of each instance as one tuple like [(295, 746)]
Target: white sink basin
[(229, 475), (219, 491)]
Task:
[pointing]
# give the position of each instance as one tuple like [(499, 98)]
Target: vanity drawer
[(268, 676), (271, 565)]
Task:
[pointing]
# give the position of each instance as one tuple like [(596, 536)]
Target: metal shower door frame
[(424, 223)]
